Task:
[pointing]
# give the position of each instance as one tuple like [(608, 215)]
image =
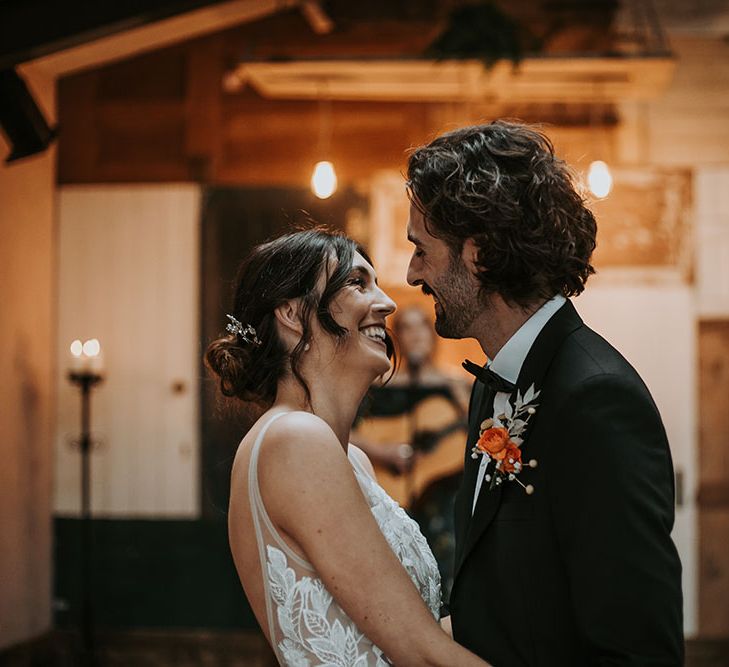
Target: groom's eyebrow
[(413, 240)]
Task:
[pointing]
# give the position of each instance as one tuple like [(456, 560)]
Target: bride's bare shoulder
[(303, 470), (298, 442)]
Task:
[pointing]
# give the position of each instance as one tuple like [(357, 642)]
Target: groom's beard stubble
[(458, 301)]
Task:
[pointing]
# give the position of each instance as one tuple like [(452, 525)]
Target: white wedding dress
[(306, 625)]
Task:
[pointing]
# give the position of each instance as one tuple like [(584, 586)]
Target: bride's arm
[(310, 491)]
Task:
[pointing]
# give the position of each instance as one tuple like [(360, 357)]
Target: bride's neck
[(334, 402)]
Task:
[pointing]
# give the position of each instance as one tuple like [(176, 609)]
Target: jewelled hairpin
[(246, 333)]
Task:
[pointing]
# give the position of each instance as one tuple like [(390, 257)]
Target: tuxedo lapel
[(480, 402), (486, 507), (483, 405), (533, 371)]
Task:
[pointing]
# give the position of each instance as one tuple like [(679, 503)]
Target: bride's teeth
[(374, 333)]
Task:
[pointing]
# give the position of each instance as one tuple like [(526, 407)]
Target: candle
[(86, 357), (77, 356)]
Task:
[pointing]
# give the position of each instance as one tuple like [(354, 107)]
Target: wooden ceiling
[(173, 114)]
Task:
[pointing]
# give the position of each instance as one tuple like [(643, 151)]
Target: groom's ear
[(469, 255)]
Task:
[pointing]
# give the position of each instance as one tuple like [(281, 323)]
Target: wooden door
[(128, 275)]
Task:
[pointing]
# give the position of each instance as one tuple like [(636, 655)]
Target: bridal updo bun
[(275, 272)]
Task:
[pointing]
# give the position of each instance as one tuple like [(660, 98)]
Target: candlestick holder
[(85, 380)]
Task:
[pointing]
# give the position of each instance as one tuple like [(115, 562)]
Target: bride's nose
[(384, 304)]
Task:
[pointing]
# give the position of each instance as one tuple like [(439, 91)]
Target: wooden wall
[(27, 398), (712, 298), (164, 117), (713, 495)]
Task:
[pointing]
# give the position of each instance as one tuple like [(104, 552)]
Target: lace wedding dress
[(306, 625)]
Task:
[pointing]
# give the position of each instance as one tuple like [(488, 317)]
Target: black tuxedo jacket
[(584, 571)]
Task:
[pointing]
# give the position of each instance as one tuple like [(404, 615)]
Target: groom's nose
[(412, 277)]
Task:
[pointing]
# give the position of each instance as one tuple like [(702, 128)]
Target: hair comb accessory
[(246, 333)]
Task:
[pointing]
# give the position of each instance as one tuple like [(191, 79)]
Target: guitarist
[(413, 429), (418, 387)]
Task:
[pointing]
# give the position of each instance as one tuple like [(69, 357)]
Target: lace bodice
[(306, 625)]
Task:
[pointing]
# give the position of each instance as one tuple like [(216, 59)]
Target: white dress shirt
[(508, 362)]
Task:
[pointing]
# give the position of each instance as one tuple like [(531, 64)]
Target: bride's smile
[(362, 306)]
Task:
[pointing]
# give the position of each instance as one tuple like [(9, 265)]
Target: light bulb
[(599, 179), (324, 179), (77, 348)]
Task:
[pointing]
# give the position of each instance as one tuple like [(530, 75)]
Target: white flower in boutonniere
[(501, 440)]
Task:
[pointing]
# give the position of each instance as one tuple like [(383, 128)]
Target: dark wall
[(150, 574), (233, 221)]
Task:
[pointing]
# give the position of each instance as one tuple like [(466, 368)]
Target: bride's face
[(361, 307)]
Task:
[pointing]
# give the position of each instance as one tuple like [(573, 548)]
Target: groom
[(566, 559)]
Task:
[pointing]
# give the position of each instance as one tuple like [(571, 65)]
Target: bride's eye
[(359, 282)]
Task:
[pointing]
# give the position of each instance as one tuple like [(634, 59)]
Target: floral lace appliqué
[(309, 630)]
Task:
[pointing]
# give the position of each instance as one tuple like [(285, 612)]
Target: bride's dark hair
[(273, 273)]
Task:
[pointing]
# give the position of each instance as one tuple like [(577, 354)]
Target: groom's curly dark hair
[(502, 185)]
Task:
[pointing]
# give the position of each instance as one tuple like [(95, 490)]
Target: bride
[(335, 571)]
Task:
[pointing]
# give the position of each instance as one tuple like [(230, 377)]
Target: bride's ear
[(289, 320)]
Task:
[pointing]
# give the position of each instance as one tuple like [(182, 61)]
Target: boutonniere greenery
[(501, 438)]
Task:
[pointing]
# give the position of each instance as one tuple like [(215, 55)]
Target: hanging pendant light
[(324, 176), (324, 179), (599, 179)]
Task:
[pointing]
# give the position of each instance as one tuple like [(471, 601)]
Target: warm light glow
[(324, 180), (77, 348), (599, 179), (92, 348)]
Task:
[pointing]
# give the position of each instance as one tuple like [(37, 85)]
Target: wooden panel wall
[(712, 241), (27, 397), (713, 496)]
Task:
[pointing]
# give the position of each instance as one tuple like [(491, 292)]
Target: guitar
[(440, 430)]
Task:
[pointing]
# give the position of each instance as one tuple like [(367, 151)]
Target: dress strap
[(261, 520), (260, 515), (357, 464)]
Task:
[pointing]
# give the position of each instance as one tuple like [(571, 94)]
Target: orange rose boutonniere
[(500, 439), (493, 441)]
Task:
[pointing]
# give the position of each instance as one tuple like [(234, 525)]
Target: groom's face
[(443, 275)]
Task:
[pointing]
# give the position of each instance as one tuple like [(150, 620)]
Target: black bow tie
[(489, 378)]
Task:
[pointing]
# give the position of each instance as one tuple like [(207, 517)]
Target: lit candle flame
[(92, 348)]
